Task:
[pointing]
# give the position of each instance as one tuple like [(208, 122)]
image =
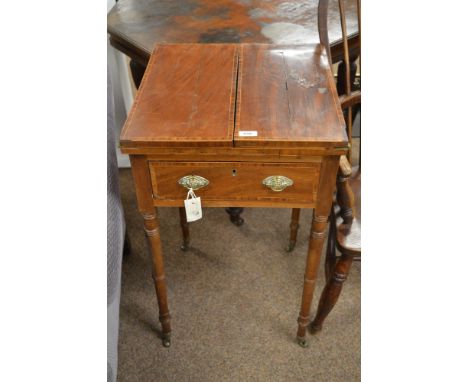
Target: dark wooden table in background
[(135, 26)]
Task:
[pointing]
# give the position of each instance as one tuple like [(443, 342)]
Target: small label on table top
[(251, 133)]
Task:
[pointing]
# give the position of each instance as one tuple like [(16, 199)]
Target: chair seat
[(348, 236)]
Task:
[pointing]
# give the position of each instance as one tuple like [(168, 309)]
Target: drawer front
[(236, 181)]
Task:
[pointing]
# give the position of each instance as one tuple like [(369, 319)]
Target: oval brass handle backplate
[(277, 182), (193, 181)]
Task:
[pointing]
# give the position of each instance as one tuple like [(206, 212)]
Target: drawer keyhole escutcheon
[(193, 181), (277, 182), (234, 172)]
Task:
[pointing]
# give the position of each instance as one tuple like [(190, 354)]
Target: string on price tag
[(193, 208)]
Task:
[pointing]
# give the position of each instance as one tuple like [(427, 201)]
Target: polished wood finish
[(308, 155), (351, 99), (332, 290), (137, 70), (345, 221), (317, 234), (136, 26), (234, 181), (176, 98), (344, 235), (284, 96), (270, 154), (150, 218)]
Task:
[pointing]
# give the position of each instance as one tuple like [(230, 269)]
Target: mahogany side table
[(135, 26), (245, 125)]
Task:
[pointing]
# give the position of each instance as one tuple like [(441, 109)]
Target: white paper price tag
[(193, 208), (245, 133)]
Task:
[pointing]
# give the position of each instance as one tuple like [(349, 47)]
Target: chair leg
[(294, 226), (330, 258), (332, 291), (185, 229)]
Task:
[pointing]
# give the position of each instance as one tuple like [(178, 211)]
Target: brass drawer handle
[(277, 182), (193, 181)]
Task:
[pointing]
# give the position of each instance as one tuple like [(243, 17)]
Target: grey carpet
[(234, 300)]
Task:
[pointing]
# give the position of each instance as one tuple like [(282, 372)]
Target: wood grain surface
[(186, 98), (194, 101), (135, 26), (211, 95), (235, 181), (287, 96)]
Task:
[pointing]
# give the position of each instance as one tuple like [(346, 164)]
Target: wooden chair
[(345, 216)]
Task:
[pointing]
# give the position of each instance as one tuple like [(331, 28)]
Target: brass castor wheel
[(302, 342), (166, 341), (291, 246), (184, 247)]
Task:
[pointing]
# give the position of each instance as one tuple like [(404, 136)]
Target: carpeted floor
[(234, 300)]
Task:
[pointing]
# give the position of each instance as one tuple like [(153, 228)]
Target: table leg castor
[(302, 342), (234, 215), (291, 246), (166, 340)]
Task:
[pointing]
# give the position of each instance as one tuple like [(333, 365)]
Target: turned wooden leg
[(294, 226), (234, 215), (143, 190), (332, 291), (317, 237), (185, 229), (319, 224), (330, 259), (152, 232)]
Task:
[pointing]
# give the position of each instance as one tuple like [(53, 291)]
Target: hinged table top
[(236, 95)]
